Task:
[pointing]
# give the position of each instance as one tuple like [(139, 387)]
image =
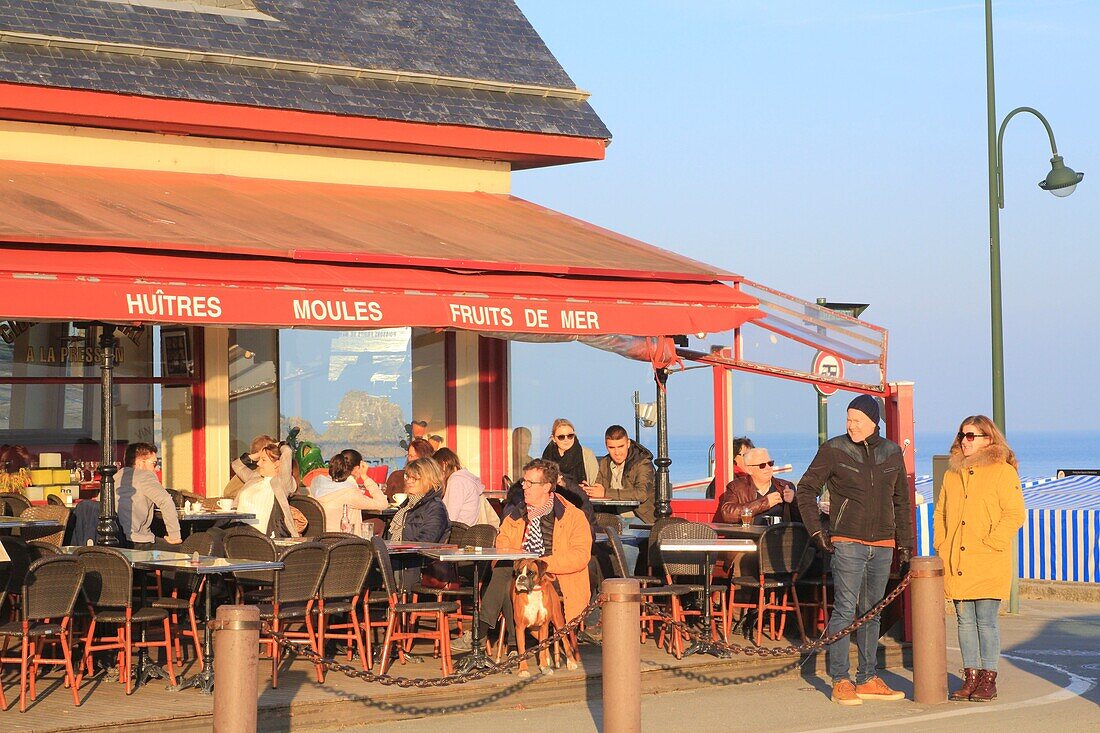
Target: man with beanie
[(870, 520)]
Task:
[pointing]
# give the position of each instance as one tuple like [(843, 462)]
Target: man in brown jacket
[(759, 491), (625, 473)]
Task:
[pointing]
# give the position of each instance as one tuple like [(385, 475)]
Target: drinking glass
[(746, 517)]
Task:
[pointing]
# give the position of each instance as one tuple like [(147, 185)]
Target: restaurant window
[(253, 387), (347, 389), (50, 395)]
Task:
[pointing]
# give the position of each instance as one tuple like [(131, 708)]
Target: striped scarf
[(532, 536)]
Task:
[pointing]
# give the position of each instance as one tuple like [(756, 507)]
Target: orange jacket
[(569, 556)]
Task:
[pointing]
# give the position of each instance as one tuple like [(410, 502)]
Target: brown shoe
[(987, 686), (876, 689), (844, 693), (970, 682)]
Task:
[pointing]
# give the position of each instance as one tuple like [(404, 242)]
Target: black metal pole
[(663, 498), (107, 528)]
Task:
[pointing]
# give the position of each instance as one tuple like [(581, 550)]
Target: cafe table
[(18, 523), (704, 644), (738, 531), (614, 505), (204, 679), (477, 658)]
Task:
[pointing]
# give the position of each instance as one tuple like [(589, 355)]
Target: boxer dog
[(536, 604)]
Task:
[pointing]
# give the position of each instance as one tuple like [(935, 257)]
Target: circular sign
[(827, 365)]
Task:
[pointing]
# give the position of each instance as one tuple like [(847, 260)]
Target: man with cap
[(870, 521)]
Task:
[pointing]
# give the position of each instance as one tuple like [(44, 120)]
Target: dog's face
[(529, 575)]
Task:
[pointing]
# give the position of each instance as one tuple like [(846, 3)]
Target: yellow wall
[(216, 363), (69, 145)]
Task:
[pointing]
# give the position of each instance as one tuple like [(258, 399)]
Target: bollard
[(929, 631), (622, 656), (236, 684)]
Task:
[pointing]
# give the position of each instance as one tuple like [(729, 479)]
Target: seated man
[(759, 491), (138, 492), (550, 527), (625, 473)]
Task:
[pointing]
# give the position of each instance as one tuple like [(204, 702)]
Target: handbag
[(486, 514), (440, 575)]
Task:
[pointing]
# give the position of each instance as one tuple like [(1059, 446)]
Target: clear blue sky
[(839, 149)]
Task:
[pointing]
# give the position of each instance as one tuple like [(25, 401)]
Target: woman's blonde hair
[(996, 437), (427, 470), (558, 423)]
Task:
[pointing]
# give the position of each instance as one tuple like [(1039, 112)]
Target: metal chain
[(425, 682), (787, 650)]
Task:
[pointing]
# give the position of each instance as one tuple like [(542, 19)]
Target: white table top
[(708, 546), (213, 516), (16, 522), (215, 565), (480, 554)]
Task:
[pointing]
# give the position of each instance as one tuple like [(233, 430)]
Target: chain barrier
[(513, 661), (425, 682), (785, 651)]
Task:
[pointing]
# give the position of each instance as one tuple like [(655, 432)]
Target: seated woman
[(264, 493), (575, 462), (340, 488), (418, 448), (423, 518), (462, 489)]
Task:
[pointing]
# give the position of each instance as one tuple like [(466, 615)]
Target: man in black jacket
[(870, 519)]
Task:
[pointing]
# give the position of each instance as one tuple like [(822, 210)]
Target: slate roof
[(474, 39)]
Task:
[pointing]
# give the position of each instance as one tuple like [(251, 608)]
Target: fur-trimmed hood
[(991, 455)]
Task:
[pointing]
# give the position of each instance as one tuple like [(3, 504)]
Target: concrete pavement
[(1048, 681)]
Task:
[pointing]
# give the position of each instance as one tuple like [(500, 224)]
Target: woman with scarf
[(575, 462), (978, 513)]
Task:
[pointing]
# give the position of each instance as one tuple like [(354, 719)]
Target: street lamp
[(1061, 181)]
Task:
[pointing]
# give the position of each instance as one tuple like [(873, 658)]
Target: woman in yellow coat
[(978, 513)]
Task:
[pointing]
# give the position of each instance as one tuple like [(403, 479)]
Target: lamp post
[(1061, 181)]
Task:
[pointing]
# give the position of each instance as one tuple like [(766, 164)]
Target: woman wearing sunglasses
[(979, 510), (575, 462)]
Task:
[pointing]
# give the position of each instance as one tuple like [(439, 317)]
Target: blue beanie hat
[(866, 404)]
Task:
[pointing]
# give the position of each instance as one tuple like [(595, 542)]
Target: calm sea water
[(1041, 454)]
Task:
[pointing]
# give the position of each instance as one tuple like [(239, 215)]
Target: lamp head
[(1061, 181)]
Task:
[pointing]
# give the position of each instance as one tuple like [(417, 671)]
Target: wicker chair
[(184, 590), (399, 625), (108, 582), (295, 593), (55, 500), (49, 592), (652, 591), (313, 512), (12, 574), (13, 504), (246, 543), (349, 563), (653, 558), (692, 572), (783, 551), (45, 534), (479, 535)]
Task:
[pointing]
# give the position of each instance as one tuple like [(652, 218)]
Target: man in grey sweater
[(139, 492)]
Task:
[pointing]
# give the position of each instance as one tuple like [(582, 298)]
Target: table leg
[(477, 658), (704, 644), (203, 680), (146, 670)]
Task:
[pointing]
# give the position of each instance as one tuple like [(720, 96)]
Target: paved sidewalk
[(1048, 681)]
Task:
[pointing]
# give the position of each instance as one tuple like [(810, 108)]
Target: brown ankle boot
[(987, 686), (970, 681)]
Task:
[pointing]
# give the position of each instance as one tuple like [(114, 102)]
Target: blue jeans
[(979, 635), (860, 573)]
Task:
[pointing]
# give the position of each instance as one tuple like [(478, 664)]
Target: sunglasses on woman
[(566, 436), (969, 437)]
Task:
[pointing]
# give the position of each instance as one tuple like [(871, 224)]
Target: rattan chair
[(691, 573), (293, 599), (479, 535), (108, 583), (313, 512), (400, 625), (12, 574), (49, 591), (349, 563), (783, 551), (14, 504), (653, 591), (818, 579), (246, 543), (55, 500), (653, 556), (184, 590), (55, 536)]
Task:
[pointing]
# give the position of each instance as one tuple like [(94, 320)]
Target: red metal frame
[(900, 428), (450, 386), (492, 358), (198, 411), (80, 107)]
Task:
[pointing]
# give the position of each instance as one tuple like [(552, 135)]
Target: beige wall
[(216, 343), (68, 145), (429, 389), (468, 404)]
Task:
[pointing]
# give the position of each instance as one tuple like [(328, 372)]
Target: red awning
[(147, 247)]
